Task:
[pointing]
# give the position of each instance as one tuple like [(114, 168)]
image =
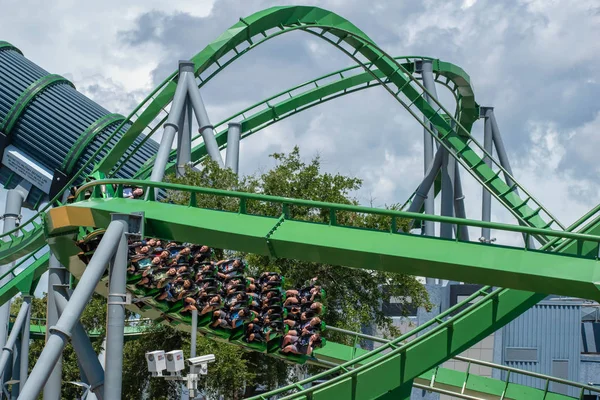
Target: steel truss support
[(426, 69), (184, 139), (205, 128), (117, 280), (162, 157), (491, 126), (459, 204), (486, 196), (8, 348), (93, 373), (424, 188), (232, 157), (57, 276), (11, 217), (62, 331), (187, 98)]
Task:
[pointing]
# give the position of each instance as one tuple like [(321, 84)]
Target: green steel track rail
[(316, 92), (24, 275), (27, 97), (7, 46), (447, 338), (86, 137), (399, 82), (280, 236)]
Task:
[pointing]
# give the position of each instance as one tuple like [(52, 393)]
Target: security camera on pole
[(173, 363)]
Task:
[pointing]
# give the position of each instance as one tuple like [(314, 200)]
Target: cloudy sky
[(537, 62)]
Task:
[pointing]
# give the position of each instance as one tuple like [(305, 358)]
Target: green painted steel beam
[(322, 90), (400, 253), (25, 98), (399, 82), (86, 138), (20, 246), (23, 281), (7, 46)]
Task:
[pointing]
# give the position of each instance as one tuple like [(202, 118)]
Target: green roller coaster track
[(565, 264)]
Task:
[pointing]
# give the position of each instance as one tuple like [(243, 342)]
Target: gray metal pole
[(503, 158), (12, 216), (160, 163), (88, 360), (116, 318), (184, 139), (429, 83), (205, 128), (24, 367), (57, 275), (447, 208), (194, 333), (427, 183), (486, 196), (14, 335), (459, 203), (16, 369), (60, 333), (232, 157)]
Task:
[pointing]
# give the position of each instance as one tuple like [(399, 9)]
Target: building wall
[(547, 340)]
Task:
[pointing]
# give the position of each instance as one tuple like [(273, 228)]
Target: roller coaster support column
[(486, 196), (426, 69), (427, 183), (11, 217), (205, 128), (184, 138), (61, 332), (503, 158), (116, 314), (7, 350), (88, 360), (57, 277), (16, 369), (24, 366), (232, 157), (459, 204), (158, 171)]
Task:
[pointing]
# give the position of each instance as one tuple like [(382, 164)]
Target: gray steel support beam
[(486, 196), (447, 207), (57, 275), (16, 369), (12, 216), (184, 139), (194, 333), (426, 184), (86, 356), (61, 332), (429, 83), (459, 204), (162, 157), (116, 318), (24, 365), (232, 157), (205, 128), (504, 162), (8, 348)]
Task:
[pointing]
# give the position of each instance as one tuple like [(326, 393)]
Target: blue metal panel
[(554, 329)]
